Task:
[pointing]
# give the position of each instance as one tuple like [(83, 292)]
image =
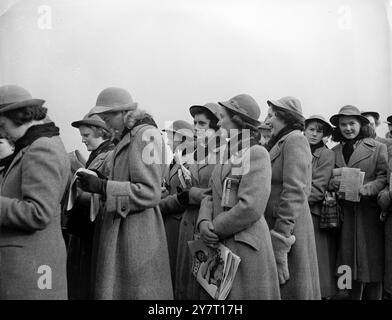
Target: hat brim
[(177, 131), (374, 114), (277, 104), (102, 109), (89, 123), (325, 123), (196, 109), (335, 118), (22, 104), (252, 121)]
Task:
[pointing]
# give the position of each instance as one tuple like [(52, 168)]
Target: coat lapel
[(339, 159), (125, 141), (275, 151), (364, 149), (17, 158)]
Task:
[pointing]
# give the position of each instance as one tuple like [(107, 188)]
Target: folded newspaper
[(351, 180), (214, 268), (73, 195)]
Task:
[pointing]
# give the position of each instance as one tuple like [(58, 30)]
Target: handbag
[(331, 215)]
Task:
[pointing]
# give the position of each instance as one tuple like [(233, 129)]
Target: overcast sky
[(174, 53)]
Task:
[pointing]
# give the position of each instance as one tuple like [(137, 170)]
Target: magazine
[(214, 268), (73, 194)]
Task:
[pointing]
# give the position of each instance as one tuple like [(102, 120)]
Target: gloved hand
[(282, 246), (99, 174), (91, 183), (196, 195)]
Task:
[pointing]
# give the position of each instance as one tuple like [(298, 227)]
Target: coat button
[(123, 208), (185, 223)]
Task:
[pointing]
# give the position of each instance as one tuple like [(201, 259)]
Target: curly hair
[(210, 116), (366, 131), (291, 119), (25, 115), (319, 126), (242, 124)]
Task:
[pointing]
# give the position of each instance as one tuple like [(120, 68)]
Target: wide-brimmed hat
[(114, 99), (288, 103), (90, 120), (182, 127), (374, 114), (327, 125), (213, 108), (348, 110), (14, 97), (244, 106)]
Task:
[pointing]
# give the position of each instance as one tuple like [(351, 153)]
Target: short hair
[(25, 115), (319, 126), (292, 119), (210, 116), (100, 132)]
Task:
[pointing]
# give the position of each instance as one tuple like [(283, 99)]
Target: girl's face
[(89, 139), (202, 127), (349, 127), (226, 124), (114, 120), (274, 122), (5, 148), (314, 132), (8, 128)]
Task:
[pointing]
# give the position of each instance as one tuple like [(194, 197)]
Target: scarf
[(275, 138), (146, 120), (103, 147), (314, 147), (348, 147), (33, 133)]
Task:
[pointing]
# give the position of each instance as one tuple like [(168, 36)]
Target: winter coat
[(288, 213)]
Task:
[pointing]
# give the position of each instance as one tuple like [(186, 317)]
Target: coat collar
[(277, 149), (17, 158), (364, 149), (318, 151), (126, 140), (224, 169)]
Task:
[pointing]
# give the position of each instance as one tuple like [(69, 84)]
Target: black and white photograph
[(132, 130)]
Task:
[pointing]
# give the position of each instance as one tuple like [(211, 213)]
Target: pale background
[(174, 53)]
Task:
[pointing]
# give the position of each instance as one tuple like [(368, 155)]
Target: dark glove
[(91, 183), (99, 174), (183, 198)]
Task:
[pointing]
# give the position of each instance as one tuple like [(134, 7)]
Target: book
[(230, 192), (73, 195), (214, 268)]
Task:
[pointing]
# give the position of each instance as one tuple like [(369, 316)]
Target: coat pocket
[(248, 238)]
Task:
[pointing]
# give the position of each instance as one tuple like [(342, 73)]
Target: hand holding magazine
[(73, 195), (214, 268)]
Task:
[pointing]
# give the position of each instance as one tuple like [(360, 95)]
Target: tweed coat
[(186, 287), (288, 213), (130, 250), (326, 240), (243, 228), (172, 212), (362, 238), (385, 200), (30, 230), (79, 249)]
